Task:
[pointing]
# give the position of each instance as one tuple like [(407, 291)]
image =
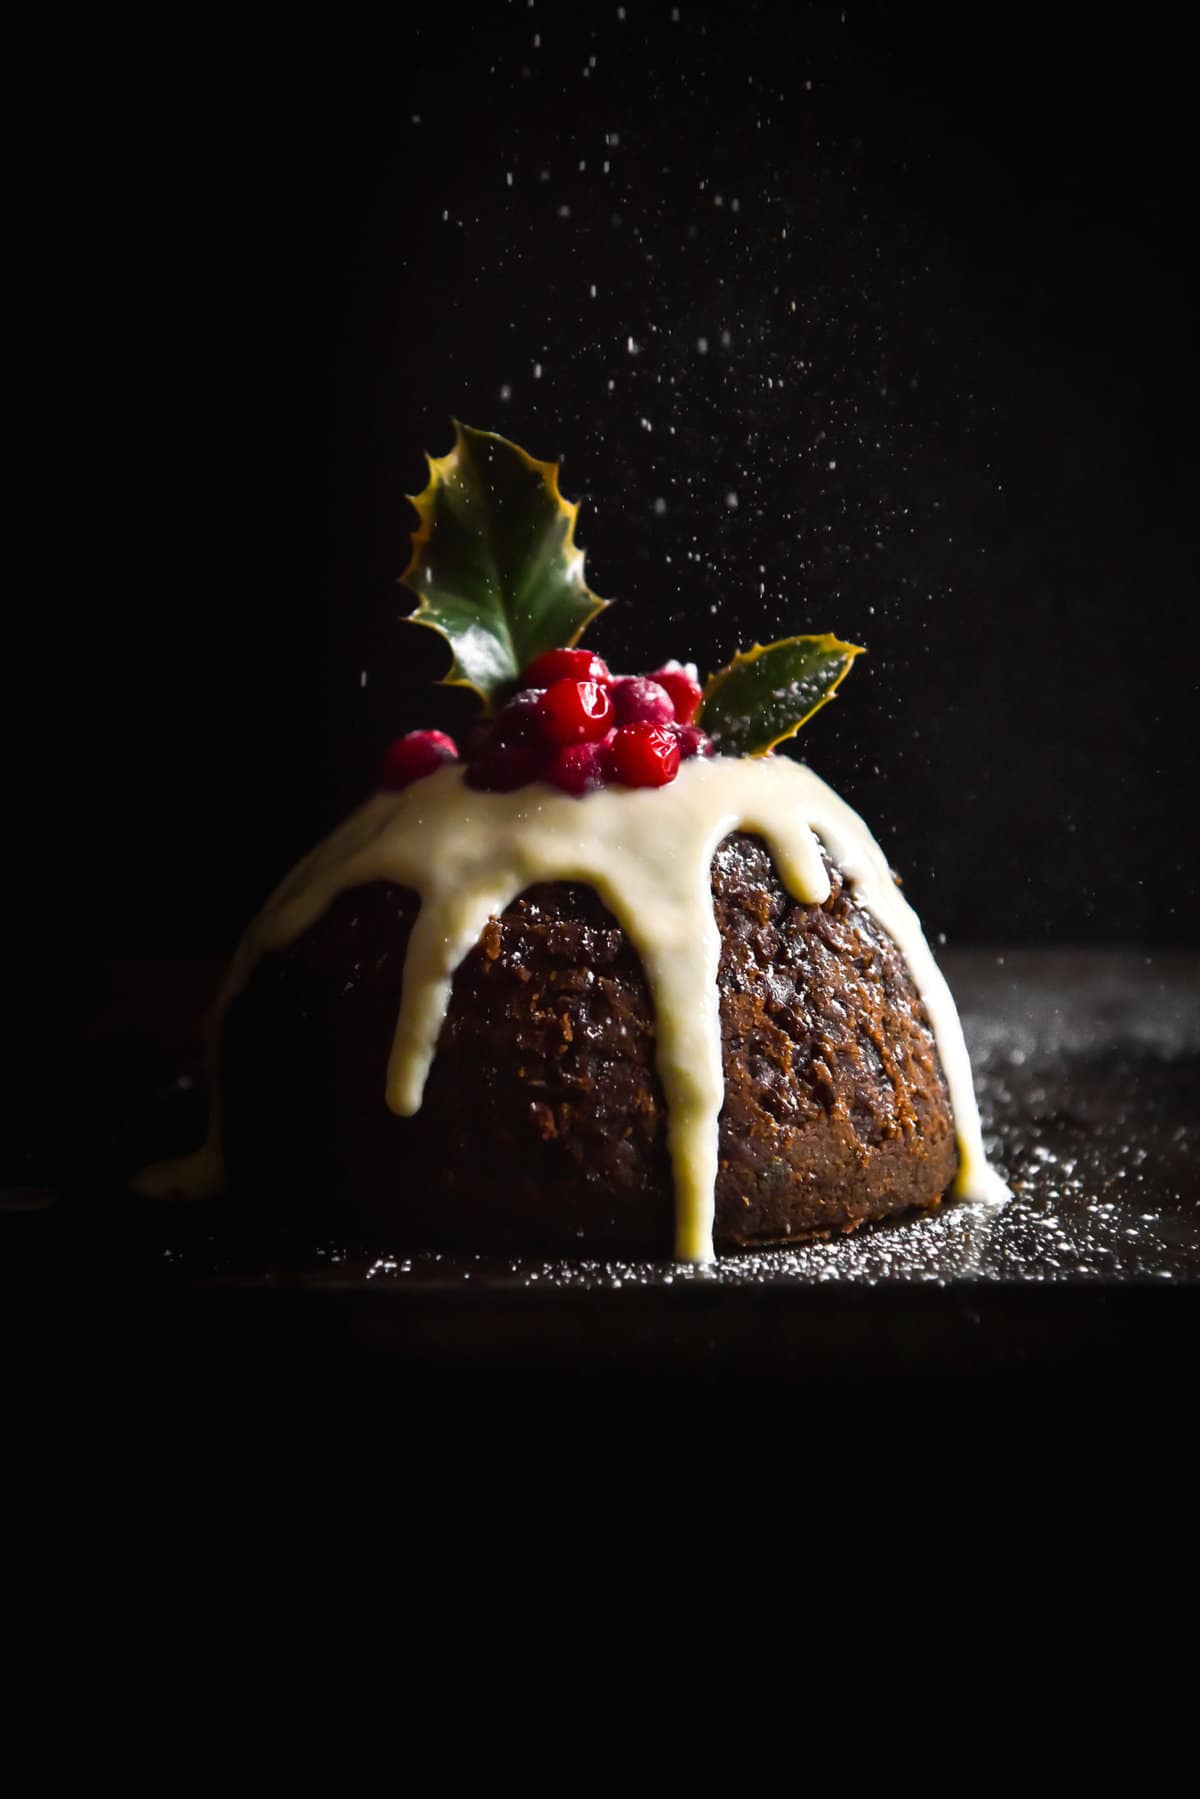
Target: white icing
[(648, 854)]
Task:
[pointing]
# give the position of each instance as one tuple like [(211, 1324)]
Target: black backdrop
[(913, 288), (242, 316)]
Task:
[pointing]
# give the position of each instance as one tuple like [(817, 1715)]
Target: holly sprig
[(766, 693), (495, 566), (496, 570)]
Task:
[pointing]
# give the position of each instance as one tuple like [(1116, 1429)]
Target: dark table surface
[(1074, 1304), (1088, 1073)]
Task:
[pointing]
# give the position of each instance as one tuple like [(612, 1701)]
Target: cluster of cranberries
[(574, 725)]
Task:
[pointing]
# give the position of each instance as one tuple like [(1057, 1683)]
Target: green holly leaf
[(495, 566), (766, 693)]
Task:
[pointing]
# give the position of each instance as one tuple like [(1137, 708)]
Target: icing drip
[(648, 854)]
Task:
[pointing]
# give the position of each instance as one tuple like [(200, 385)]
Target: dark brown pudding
[(543, 1124)]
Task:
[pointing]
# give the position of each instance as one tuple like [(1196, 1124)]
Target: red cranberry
[(413, 757), (574, 712), (693, 742), (644, 756), (685, 693), (517, 720), (565, 665), (580, 767), (639, 701), (500, 768)]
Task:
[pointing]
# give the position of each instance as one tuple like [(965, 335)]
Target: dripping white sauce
[(648, 854)]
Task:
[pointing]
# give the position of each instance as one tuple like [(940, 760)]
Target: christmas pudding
[(618, 981)]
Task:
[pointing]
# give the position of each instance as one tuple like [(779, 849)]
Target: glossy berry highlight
[(574, 712), (644, 756)]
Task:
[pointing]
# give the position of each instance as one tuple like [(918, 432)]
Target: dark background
[(255, 268), (941, 267)]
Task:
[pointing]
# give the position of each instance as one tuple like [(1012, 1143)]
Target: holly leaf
[(766, 693), (494, 565)]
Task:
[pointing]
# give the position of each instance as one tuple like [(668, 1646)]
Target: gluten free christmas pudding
[(618, 981)]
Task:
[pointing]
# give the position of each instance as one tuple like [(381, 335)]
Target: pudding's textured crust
[(543, 1125)]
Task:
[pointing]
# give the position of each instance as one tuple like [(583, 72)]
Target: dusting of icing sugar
[(648, 854)]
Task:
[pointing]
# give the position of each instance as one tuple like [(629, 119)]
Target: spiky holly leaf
[(766, 693), (495, 566)]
